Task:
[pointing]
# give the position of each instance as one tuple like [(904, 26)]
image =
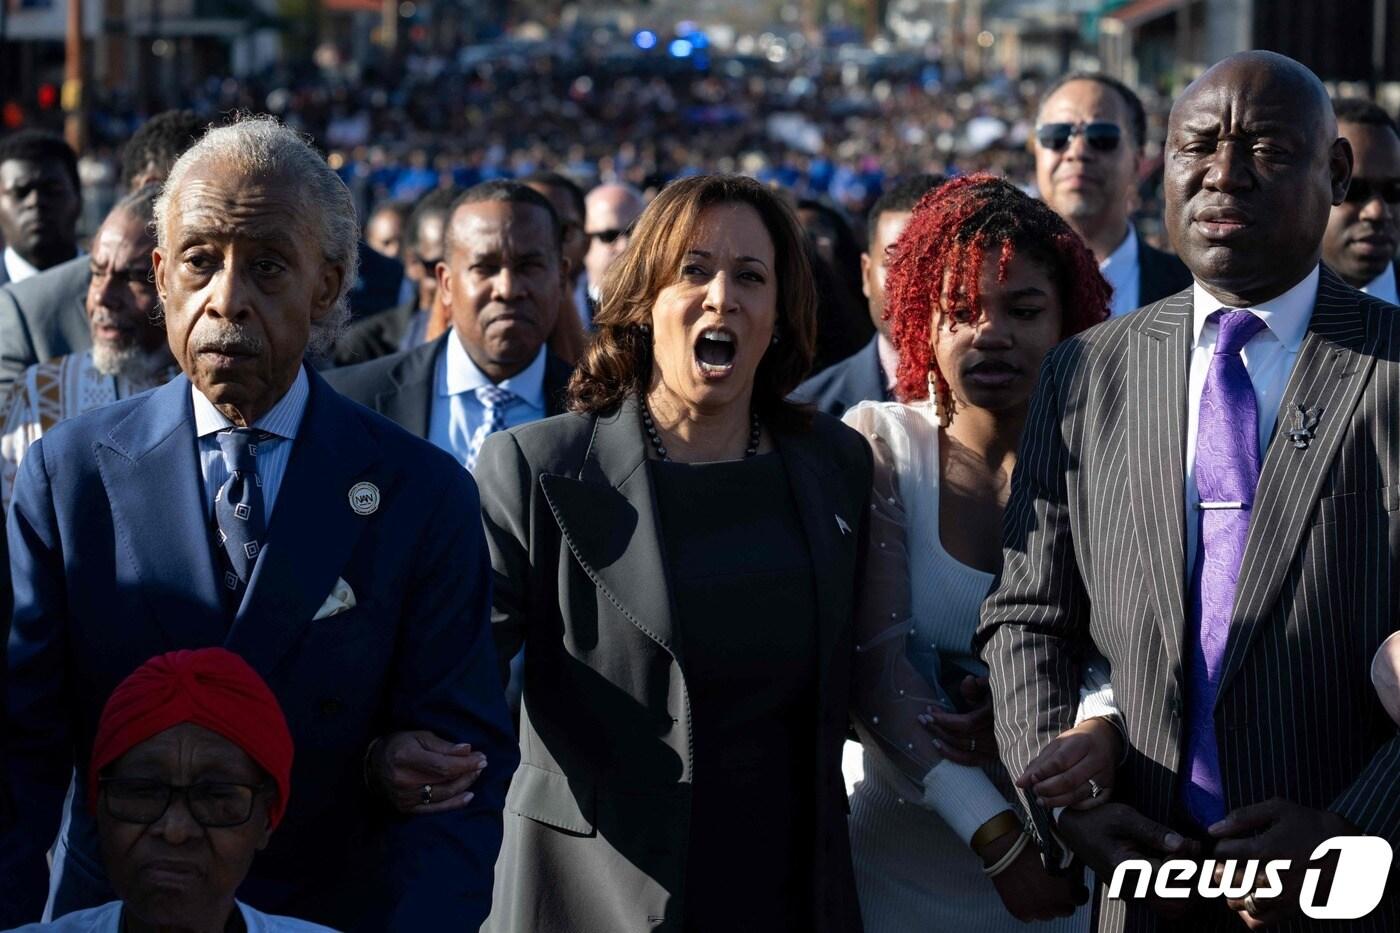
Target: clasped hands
[(420, 773), (1108, 835)]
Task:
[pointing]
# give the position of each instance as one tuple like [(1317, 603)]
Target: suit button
[(332, 707)]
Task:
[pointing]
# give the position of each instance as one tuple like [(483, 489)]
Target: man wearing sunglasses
[(610, 211), (1363, 232), (1088, 150)]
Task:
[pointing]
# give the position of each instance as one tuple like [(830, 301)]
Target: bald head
[(610, 211), (1253, 165)]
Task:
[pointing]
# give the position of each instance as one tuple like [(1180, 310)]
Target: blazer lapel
[(1156, 414), (313, 530), (150, 466), (408, 401), (818, 507), (608, 518), (1333, 366)]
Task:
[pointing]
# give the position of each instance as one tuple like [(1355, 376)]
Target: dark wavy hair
[(951, 232), (618, 363)]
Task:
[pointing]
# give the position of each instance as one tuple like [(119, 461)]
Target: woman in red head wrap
[(190, 774)]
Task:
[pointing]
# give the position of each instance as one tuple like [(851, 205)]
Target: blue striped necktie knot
[(495, 400), (238, 505)]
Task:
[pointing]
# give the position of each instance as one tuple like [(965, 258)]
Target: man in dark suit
[(40, 199), (403, 326), (246, 504), (1090, 131), (1363, 233), (869, 374), (45, 317), (500, 279), (1206, 495)]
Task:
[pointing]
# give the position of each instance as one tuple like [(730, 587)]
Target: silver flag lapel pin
[(841, 523), (1302, 432)]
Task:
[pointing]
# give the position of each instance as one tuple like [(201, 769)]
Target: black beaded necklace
[(755, 431)]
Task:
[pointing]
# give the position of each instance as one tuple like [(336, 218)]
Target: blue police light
[(645, 40), (681, 48)]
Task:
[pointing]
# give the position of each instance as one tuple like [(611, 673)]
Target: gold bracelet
[(1000, 825)]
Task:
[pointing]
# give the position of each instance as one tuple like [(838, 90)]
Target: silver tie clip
[(1220, 505)]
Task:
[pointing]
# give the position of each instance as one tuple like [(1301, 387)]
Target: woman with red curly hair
[(981, 284)]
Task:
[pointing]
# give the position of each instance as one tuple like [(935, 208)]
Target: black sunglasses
[(1363, 190), (1101, 136), (608, 237)]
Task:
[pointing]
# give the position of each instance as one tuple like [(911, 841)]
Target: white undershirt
[(1268, 357)]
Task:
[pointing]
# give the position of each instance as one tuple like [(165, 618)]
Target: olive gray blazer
[(597, 818)]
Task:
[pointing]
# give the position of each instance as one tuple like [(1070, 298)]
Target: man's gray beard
[(133, 363)]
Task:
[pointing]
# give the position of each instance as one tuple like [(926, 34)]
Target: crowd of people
[(553, 543)]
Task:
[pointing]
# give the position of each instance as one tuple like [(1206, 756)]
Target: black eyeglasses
[(607, 237), (1101, 136), (214, 805), (1363, 190)]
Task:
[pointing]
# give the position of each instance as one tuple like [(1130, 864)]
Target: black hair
[(42, 147), (509, 192), (160, 141), (436, 203), (1137, 115), (555, 180), (1362, 111), (900, 199)]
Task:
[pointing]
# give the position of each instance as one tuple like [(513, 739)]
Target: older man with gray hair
[(245, 504)]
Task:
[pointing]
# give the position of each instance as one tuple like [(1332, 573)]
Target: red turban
[(212, 688)]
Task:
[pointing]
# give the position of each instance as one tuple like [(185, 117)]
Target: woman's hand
[(1077, 768), (965, 738), (421, 773), (1027, 890)]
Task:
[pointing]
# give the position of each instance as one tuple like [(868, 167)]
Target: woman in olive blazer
[(678, 557)]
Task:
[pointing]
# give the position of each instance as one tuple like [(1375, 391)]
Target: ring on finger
[(427, 794), (1094, 788), (1250, 906)]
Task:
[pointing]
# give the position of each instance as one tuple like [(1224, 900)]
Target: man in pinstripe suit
[(1239, 591)]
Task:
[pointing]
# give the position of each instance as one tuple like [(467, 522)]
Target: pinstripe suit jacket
[(1094, 555)]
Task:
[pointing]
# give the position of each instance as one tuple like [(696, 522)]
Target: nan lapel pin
[(1303, 432), (841, 523), (364, 498)]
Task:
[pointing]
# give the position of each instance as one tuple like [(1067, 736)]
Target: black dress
[(741, 579)]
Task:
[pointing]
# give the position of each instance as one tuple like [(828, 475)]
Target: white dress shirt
[(457, 414), (1268, 358), (17, 267), (1383, 286), (281, 421), (1124, 274)]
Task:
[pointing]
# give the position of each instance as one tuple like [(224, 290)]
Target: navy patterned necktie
[(238, 507)]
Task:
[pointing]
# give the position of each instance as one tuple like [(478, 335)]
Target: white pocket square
[(342, 599)]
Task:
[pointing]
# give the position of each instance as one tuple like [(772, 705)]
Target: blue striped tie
[(495, 400)]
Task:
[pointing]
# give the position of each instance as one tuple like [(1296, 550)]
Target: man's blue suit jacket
[(112, 563)]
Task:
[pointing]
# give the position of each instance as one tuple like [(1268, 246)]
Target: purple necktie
[(1227, 471)]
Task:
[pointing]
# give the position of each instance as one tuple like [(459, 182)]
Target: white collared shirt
[(457, 414), (1124, 275), (281, 421), (1268, 358), (889, 363), (17, 267), (1383, 286)]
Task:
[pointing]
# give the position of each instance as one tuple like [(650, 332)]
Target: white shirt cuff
[(964, 796)]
